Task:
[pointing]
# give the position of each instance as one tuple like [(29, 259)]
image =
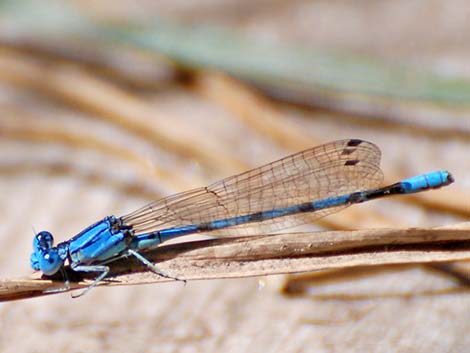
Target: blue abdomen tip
[(427, 181)]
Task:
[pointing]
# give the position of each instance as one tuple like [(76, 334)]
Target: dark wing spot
[(352, 162), (348, 151), (354, 143)]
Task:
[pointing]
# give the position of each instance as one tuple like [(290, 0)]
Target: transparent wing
[(332, 169)]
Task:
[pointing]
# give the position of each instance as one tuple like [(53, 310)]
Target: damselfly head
[(45, 256)]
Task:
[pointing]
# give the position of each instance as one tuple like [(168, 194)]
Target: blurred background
[(106, 106)]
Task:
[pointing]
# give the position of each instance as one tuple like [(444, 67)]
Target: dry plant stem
[(273, 254), (22, 127), (159, 71), (252, 109), (108, 102), (310, 72), (261, 115)]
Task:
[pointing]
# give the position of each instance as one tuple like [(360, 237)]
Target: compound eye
[(43, 241), (49, 262)]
